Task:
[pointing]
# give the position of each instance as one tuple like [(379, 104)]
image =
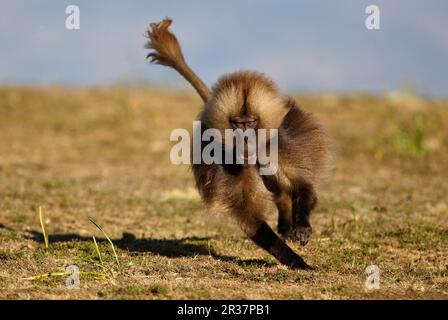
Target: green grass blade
[(98, 253), (42, 225), (108, 239), (45, 275), (97, 275)]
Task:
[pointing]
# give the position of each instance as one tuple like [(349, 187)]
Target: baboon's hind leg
[(304, 200), (284, 206)]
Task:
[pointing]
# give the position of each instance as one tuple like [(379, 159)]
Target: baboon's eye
[(238, 124), (252, 123), (242, 123)]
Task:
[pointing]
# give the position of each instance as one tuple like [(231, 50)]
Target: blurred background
[(308, 46)]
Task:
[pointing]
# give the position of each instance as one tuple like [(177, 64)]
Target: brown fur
[(258, 93), (239, 190)]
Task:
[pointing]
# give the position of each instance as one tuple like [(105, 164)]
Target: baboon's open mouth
[(249, 156)]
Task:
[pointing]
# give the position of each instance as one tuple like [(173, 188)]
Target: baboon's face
[(247, 126), (245, 102)]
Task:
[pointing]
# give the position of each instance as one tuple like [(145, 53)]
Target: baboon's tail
[(167, 52)]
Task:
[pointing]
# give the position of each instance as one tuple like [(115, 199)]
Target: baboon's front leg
[(303, 202), (260, 233)]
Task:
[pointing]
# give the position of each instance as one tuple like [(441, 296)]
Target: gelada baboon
[(249, 100)]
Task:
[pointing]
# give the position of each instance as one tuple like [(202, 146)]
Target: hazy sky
[(315, 45)]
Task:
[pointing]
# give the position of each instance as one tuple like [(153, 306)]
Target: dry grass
[(104, 153)]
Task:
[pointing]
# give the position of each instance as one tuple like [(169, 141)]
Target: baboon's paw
[(303, 234)]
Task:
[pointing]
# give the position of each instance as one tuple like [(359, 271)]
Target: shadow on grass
[(173, 248)]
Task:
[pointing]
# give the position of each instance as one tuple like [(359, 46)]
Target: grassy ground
[(104, 153)]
